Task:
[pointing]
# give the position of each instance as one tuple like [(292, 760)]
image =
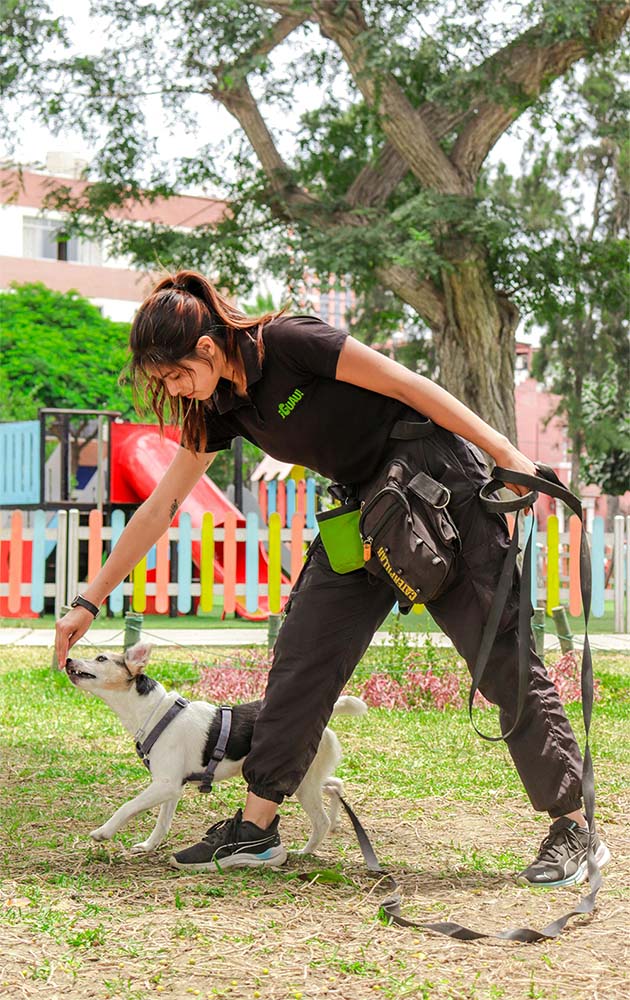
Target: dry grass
[(81, 921)]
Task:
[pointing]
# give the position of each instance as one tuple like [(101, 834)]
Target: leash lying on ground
[(547, 482)]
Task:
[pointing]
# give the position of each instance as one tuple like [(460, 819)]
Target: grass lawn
[(444, 810), (413, 622)]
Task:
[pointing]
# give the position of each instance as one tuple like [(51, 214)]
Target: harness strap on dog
[(143, 749), (547, 482), (206, 777)]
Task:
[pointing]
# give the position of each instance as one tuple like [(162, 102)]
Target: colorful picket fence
[(244, 578), (287, 499)]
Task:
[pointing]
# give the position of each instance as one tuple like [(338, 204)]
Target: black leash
[(547, 482)]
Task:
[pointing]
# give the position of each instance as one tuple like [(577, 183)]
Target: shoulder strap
[(143, 749), (206, 777)]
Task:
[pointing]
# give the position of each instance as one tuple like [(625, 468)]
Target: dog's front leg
[(161, 828), (157, 793)]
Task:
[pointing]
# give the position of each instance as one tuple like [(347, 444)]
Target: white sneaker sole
[(272, 858), (602, 857)]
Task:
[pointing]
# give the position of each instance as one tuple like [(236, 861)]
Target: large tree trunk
[(476, 347)]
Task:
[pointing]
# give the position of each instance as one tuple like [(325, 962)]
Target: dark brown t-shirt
[(296, 411)]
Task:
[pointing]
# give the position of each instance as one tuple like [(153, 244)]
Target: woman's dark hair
[(165, 330)]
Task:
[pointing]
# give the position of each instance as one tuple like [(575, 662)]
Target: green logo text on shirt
[(285, 409)]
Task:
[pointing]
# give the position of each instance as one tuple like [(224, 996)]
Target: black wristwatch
[(81, 602)]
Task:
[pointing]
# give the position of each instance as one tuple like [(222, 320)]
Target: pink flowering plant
[(406, 673), (236, 677)]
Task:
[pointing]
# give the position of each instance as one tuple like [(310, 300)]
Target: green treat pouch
[(339, 530)]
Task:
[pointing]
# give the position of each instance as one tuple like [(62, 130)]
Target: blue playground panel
[(19, 462)]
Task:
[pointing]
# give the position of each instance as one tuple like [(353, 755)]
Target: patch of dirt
[(248, 935)]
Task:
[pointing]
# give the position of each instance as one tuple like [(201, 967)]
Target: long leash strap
[(206, 777), (547, 482), (390, 907)]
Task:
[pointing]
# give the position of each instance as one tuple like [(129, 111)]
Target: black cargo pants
[(331, 619)]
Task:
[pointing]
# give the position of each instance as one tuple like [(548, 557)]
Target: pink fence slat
[(161, 575), (575, 597), (281, 502), (15, 563), (95, 543), (300, 499), (297, 546), (262, 500), (229, 564)]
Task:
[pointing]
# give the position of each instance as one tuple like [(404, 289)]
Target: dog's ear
[(137, 657)]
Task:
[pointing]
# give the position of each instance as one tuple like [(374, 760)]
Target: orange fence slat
[(262, 500), (297, 546), (575, 597), (15, 562), (281, 502), (161, 575)]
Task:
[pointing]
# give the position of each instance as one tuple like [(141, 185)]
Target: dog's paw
[(100, 834), (143, 848)]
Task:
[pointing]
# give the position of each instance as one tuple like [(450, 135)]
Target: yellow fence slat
[(553, 563), (139, 580), (206, 572), (275, 567)]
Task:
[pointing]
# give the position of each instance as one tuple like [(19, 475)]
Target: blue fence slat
[(310, 503), (291, 499), (116, 597), (251, 563), (38, 564), (184, 564), (272, 497), (19, 462), (532, 527), (599, 568)]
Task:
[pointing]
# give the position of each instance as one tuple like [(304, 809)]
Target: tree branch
[(528, 66), (277, 33), (377, 181), (422, 296), (238, 99), (402, 123)]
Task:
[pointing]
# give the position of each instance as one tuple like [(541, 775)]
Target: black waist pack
[(409, 538)]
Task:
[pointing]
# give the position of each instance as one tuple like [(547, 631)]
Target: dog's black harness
[(205, 777)]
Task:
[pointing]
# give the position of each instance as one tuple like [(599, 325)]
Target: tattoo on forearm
[(174, 507)]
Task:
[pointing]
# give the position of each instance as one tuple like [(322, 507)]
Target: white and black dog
[(186, 745)]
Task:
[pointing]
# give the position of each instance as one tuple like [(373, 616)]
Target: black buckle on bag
[(430, 490), (339, 491)]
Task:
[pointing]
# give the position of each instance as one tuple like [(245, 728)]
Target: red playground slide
[(140, 458)]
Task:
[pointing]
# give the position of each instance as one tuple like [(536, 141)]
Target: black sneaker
[(233, 843), (562, 856)]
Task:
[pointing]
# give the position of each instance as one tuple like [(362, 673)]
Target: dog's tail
[(348, 705)]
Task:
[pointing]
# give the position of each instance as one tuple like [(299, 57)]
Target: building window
[(41, 240)]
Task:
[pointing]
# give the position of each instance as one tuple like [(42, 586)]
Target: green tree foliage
[(59, 351), (573, 204), (381, 179)]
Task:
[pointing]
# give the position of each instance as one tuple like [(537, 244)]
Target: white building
[(30, 250)]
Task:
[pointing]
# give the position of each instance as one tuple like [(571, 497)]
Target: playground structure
[(56, 529), (110, 474)]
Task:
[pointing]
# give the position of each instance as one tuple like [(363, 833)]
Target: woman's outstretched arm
[(363, 366), (146, 526)]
